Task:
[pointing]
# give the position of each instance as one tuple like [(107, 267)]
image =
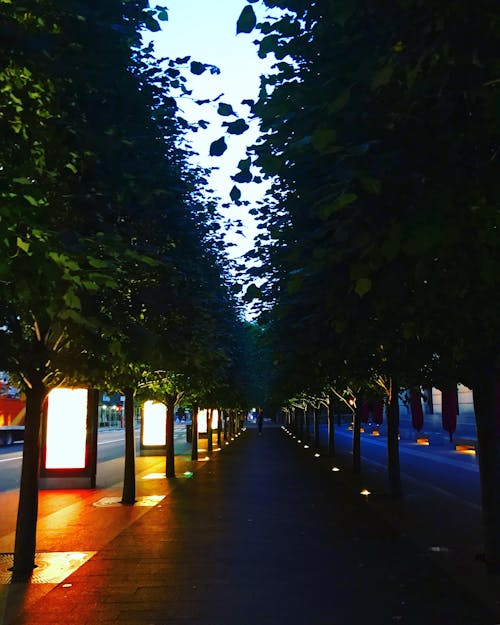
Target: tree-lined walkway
[(262, 534)]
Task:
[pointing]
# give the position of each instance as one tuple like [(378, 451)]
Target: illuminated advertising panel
[(202, 420), (154, 421), (66, 429)]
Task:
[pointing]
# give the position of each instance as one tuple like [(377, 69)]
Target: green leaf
[(268, 44), (363, 286), (71, 167), (21, 180), (244, 164), (345, 199), (237, 127), (197, 68), (72, 300), (323, 138), (225, 109), (235, 194), (97, 263), (242, 176), (252, 292), (151, 24), (23, 245), (31, 200), (217, 148), (382, 77), (163, 15), (339, 102), (246, 21)]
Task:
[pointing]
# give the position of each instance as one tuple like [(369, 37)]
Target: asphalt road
[(449, 473)]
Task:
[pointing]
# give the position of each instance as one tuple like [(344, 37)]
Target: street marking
[(116, 440), (11, 459)]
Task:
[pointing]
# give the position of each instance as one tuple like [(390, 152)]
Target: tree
[(384, 144)]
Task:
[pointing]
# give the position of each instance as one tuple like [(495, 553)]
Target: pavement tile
[(262, 534)]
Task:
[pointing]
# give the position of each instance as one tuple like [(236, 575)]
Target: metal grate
[(115, 502), (52, 568)]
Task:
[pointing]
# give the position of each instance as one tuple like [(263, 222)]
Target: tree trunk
[(210, 445), (307, 424), (331, 426), (226, 425), (170, 450), (393, 466), (488, 435), (194, 434), (27, 513), (219, 429), (356, 441), (302, 417), (128, 494), (316, 428)]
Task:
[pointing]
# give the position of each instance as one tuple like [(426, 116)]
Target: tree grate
[(52, 568)]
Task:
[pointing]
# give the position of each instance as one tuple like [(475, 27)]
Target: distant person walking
[(260, 420)]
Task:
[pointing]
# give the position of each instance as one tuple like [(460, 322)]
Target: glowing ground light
[(154, 476), (466, 449), (306, 446), (335, 469), (188, 474), (317, 455), (365, 492), (422, 440)]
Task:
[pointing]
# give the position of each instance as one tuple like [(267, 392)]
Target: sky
[(206, 31)]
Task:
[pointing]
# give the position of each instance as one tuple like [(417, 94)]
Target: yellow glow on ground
[(365, 492), (66, 428), (466, 449)]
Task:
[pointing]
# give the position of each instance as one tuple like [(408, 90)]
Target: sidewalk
[(261, 534)]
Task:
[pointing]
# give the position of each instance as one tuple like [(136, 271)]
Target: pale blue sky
[(206, 31)]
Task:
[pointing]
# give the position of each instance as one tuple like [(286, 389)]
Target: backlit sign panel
[(202, 420), (66, 434), (154, 421)]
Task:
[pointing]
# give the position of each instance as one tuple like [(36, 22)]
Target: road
[(110, 447), (438, 469)]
